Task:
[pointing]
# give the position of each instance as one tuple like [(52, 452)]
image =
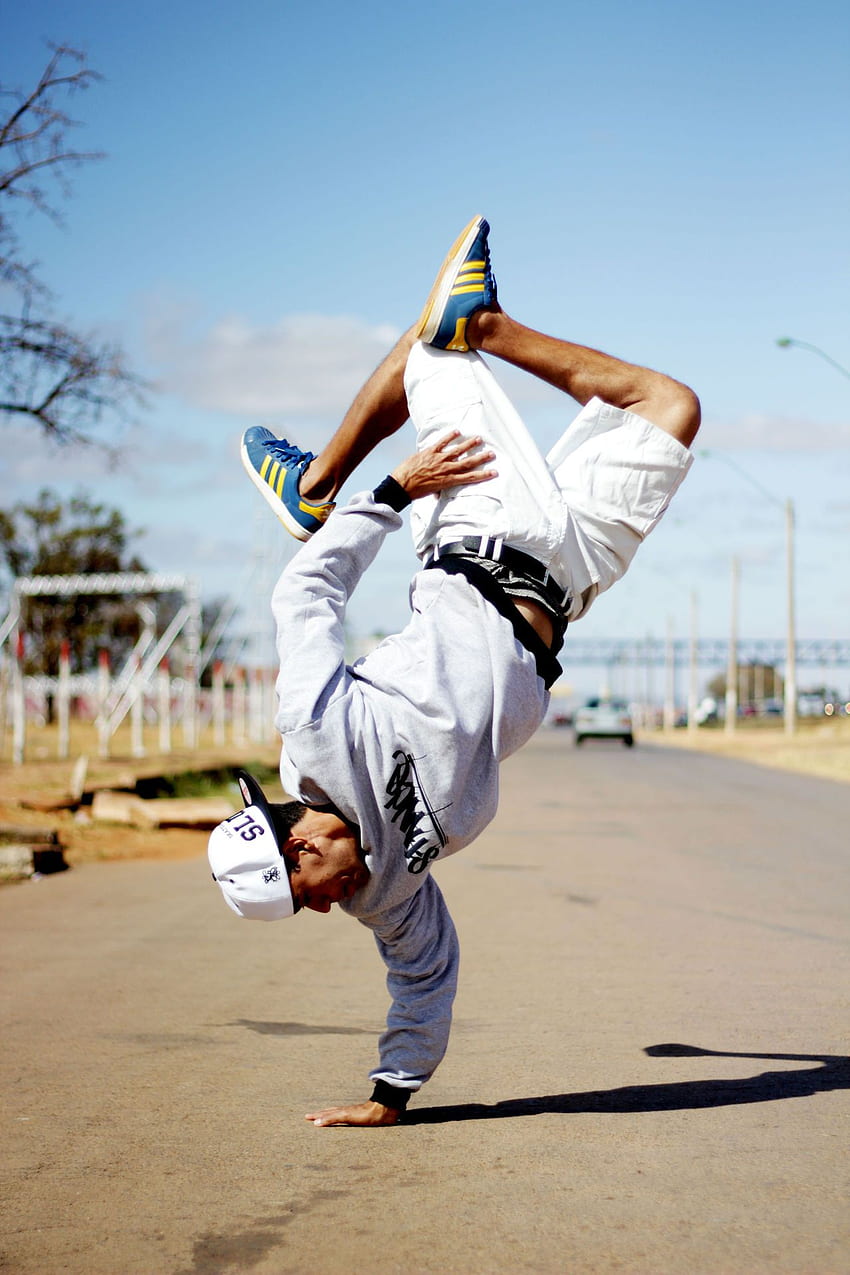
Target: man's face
[(327, 862)]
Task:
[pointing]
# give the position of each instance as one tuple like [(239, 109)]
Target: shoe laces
[(288, 453)]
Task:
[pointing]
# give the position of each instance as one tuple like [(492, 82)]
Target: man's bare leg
[(379, 410), (582, 373)]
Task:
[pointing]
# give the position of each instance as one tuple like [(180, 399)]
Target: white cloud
[(149, 453), (304, 365), (309, 367), (757, 431), (31, 459)]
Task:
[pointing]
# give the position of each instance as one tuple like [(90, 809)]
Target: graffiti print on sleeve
[(420, 827)]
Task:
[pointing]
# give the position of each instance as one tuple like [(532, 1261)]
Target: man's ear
[(294, 848), (291, 851)]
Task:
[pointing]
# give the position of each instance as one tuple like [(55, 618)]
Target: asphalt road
[(648, 1071)]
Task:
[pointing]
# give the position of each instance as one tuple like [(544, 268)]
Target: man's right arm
[(419, 947)]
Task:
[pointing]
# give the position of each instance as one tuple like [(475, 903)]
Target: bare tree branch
[(60, 379), (65, 381), (35, 133)]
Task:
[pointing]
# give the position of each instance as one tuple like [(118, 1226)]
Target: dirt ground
[(821, 749), (26, 790)]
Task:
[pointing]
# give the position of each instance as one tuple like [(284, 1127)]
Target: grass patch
[(218, 782)]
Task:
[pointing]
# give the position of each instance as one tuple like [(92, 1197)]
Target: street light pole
[(670, 678), (791, 658), (786, 342), (693, 670), (791, 639), (732, 662)]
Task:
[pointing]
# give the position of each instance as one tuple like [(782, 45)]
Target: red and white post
[(63, 699)]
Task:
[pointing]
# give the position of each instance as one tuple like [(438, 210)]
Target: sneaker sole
[(426, 329), (294, 528)]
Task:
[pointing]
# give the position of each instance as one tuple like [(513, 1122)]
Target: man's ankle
[(315, 486), (483, 326)]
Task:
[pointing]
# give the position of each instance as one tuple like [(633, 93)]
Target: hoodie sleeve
[(309, 606), (419, 947)]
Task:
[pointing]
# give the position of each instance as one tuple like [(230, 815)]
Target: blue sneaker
[(275, 468), (465, 284)]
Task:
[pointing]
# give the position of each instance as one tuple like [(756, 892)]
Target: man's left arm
[(312, 594), (309, 606)]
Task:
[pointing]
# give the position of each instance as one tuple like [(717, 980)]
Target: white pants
[(581, 512)]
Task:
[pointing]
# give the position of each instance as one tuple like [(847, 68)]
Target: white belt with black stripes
[(495, 550)]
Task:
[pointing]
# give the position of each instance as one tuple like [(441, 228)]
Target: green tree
[(49, 537), (756, 681), (64, 380)]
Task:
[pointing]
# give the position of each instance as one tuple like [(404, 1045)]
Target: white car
[(604, 719)]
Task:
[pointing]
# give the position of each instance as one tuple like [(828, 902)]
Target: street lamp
[(785, 343), (791, 623), (732, 662)]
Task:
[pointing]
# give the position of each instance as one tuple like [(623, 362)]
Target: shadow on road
[(832, 1072), (263, 1028)]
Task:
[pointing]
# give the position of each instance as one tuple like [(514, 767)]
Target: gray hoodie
[(406, 744)]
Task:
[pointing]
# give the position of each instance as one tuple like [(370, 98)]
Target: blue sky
[(666, 182)]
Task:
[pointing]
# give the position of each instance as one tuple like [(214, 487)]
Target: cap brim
[(252, 793)]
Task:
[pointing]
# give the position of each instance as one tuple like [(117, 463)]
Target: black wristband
[(391, 493), (390, 1096)]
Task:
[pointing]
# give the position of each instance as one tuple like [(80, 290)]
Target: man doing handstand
[(394, 761)]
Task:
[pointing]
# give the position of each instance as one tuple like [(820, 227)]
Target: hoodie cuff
[(391, 493), (390, 1096)]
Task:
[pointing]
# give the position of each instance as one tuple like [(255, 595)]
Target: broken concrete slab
[(12, 834), (27, 851), (122, 807), (162, 812), (190, 812)]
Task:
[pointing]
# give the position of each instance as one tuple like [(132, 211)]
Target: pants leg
[(582, 512), (616, 473), (522, 505)]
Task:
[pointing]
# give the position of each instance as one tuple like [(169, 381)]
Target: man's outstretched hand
[(364, 1114), (452, 462)]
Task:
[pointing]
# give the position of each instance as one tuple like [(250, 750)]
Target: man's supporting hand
[(453, 462), (364, 1114)]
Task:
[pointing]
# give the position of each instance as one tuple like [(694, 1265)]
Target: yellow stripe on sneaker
[(458, 341), (280, 480), (459, 290), (466, 237), (264, 468), (317, 511)]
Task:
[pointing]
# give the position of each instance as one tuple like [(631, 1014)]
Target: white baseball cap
[(246, 859)]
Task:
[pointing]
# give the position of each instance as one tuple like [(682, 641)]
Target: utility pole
[(791, 658), (732, 662), (791, 637), (670, 677), (786, 343), (693, 682)]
